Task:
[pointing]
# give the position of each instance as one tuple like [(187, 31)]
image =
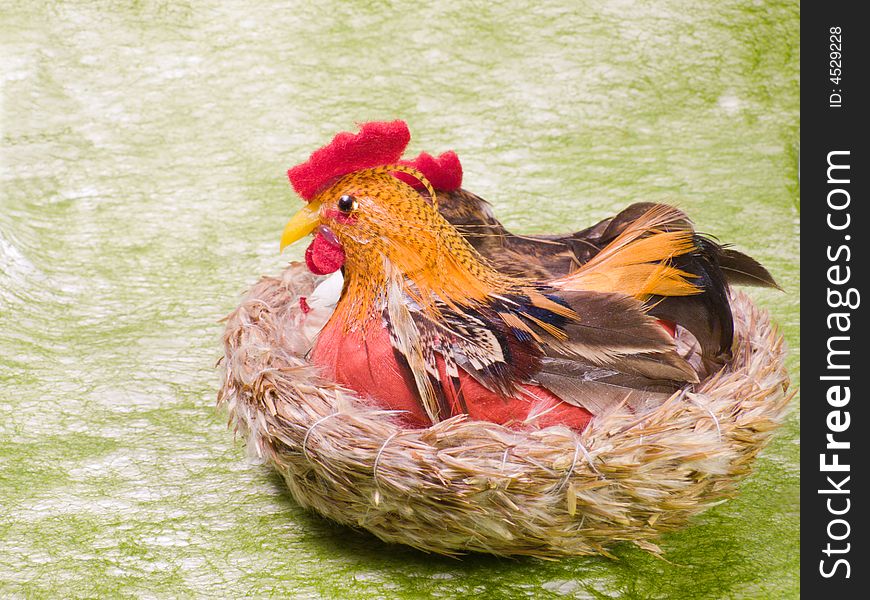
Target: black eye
[(346, 203)]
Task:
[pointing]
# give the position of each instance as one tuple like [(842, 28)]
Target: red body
[(367, 365)]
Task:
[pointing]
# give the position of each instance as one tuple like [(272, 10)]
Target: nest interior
[(472, 486)]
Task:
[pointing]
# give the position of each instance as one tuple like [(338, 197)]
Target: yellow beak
[(301, 224)]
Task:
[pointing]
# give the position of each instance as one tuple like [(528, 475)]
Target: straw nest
[(462, 485)]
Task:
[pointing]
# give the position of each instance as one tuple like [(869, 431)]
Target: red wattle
[(323, 257)]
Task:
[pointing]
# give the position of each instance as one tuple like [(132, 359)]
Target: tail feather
[(659, 259), (640, 261), (741, 269)]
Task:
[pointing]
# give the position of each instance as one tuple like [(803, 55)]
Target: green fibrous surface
[(143, 166)]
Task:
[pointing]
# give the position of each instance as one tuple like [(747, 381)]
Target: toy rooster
[(443, 312)]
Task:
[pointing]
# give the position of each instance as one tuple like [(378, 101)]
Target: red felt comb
[(443, 172), (377, 143)]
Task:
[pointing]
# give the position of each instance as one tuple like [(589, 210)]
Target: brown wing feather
[(614, 330)]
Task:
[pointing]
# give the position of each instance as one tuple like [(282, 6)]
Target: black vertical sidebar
[(835, 300)]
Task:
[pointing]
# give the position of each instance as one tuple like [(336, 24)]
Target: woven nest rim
[(473, 486)]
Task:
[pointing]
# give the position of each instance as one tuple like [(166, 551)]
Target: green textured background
[(143, 189)]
